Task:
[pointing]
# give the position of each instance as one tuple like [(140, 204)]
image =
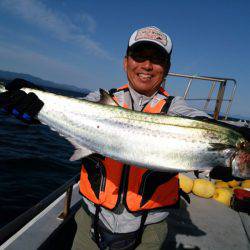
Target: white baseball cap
[(151, 34)]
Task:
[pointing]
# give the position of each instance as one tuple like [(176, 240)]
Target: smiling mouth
[(144, 77)]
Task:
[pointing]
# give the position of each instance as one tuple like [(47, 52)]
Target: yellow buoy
[(221, 184), (223, 195), (233, 183), (216, 180), (186, 183), (203, 188), (245, 184)]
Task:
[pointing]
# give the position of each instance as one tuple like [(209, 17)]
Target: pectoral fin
[(80, 151)]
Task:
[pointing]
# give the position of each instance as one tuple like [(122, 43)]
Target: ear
[(167, 68), (125, 63)]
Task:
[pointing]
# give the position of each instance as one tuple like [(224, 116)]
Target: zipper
[(103, 177), (140, 101), (124, 184), (143, 181), (122, 190)]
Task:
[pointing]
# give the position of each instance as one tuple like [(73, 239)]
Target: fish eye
[(241, 144)]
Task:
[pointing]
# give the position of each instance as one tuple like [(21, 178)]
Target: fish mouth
[(241, 164)]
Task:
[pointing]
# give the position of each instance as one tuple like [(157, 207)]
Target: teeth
[(144, 76)]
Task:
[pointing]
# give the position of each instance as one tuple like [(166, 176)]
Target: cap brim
[(150, 44)]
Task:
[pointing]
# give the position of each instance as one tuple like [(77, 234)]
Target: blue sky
[(82, 43)]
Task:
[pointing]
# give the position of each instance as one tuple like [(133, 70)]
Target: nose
[(147, 65)]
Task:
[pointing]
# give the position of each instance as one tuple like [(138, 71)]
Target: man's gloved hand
[(23, 106)]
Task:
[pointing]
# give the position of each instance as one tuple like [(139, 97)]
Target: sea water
[(34, 161)]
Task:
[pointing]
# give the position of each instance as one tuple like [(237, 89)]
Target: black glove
[(23, 106)]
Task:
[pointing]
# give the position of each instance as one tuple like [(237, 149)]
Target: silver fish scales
[(154, 141)]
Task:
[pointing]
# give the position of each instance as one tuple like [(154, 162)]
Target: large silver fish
[(154, 141)]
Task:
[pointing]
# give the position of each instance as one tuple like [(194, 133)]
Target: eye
[(139, 57), (157, 60)]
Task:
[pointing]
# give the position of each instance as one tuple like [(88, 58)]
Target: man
[(125, 207), (116, 221)]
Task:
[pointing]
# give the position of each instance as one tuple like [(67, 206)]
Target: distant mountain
[(7, 76), (235, 117), (241, 117)]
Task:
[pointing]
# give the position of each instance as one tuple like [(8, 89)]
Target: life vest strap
[(136, 236), (141, 228), (96, 227), (166, 106)]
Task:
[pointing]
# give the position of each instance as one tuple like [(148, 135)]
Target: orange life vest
[(108, 183)]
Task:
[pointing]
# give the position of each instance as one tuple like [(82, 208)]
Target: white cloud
[(89, 22), (57, 24), (27, 61)]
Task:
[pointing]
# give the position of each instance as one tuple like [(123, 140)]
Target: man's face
[(146, 69)]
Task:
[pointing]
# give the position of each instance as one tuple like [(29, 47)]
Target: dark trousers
[(153, 237)]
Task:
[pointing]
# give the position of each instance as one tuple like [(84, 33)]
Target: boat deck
[(202, 224), (207, 224)]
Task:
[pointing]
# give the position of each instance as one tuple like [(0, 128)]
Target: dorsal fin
[(219, 146), (106, 99)]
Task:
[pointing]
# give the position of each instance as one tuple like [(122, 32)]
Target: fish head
[(241, 161)]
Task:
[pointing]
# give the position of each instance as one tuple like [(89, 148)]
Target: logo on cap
[(151, 34)]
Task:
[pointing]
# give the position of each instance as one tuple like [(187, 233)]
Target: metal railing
[(220, 94), (15, 225)]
